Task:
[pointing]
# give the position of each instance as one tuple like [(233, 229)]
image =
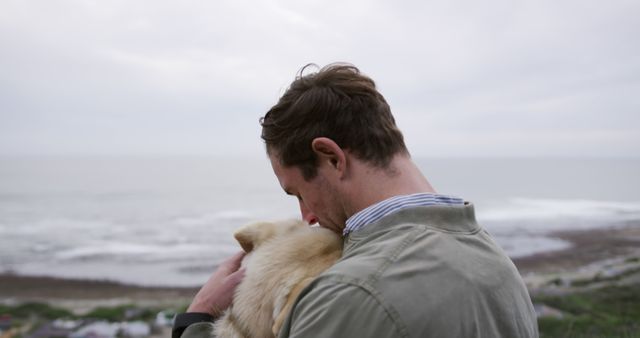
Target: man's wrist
[(183, 320)]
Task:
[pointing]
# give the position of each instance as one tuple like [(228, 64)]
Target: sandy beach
[(30, 287), (81, 296)]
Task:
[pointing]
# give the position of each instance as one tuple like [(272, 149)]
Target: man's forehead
[(280, 171), (276, 165), (287, 176)]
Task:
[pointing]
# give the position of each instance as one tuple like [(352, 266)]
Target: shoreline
[(22, 286), (591, 246)]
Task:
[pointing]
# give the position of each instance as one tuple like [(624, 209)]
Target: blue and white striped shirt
[(376, 211)]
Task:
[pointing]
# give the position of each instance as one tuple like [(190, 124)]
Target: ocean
[(169, 220)]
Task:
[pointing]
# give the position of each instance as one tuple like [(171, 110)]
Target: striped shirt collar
[(394, 204)]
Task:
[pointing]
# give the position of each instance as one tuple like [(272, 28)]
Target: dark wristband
[(183, 320)]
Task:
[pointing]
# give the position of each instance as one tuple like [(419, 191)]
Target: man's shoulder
[(365, 258)]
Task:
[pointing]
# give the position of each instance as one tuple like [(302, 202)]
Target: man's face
[(319, 203)]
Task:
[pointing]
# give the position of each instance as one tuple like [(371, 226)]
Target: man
[(415, 263)]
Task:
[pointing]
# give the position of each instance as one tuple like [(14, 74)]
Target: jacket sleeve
[(336, 309)]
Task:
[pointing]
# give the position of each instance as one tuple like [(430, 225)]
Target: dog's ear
[(245, 241), (252, 235)]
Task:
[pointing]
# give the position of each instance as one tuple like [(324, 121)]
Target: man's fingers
[(236, 277), (235, 261)]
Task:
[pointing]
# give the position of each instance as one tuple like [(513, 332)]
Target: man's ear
[(329, 152)]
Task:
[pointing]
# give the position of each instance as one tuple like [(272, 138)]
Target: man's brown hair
[(337, 102)]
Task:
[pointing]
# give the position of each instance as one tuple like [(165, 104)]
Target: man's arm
[(212, 299)]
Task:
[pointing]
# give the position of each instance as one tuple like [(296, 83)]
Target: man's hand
[(216, 295)]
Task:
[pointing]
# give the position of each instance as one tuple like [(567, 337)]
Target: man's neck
[(371, 185)]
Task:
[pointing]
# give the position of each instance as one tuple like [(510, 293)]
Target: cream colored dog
[(283, 258)]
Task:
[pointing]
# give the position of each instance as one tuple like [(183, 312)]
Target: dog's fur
[(283, 257)]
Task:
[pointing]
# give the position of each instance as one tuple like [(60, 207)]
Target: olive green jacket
[(421, 272)]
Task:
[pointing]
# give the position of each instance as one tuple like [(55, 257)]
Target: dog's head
[(252, 235)]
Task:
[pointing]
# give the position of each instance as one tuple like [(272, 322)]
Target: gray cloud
[(464, 78)]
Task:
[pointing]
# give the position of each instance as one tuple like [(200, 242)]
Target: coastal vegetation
[(609, 311)]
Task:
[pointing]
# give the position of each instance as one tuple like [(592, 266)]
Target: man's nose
[(307, 215)]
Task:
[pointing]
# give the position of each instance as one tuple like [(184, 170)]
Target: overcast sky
[(464, 78)]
